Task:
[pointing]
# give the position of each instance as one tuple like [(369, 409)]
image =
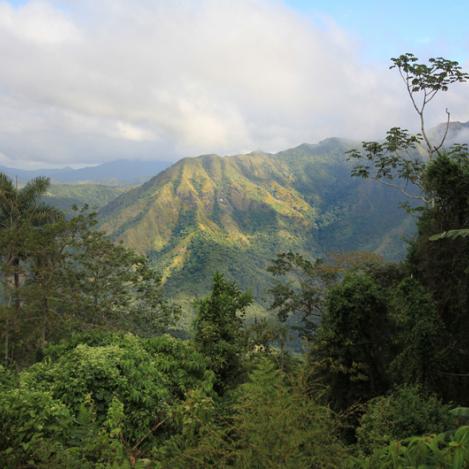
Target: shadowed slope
[(234, 214)]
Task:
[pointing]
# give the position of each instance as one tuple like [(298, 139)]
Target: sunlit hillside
[(233, 214)]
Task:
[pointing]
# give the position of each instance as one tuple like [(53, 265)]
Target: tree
[(442, 265), (277, 425), (423, 82), (110, 285), (419, 337), (22, 212), (349, 352), (438, 257), (62, 275), (219, 331), (395, 161), (299, 289)]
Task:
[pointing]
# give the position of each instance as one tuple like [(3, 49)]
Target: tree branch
[(446, 132), (401, 189)]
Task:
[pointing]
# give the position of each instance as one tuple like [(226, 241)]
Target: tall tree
[(349, 352), (110, 285), (299, 290), (395, 161), (419, 337), (21, 212), (442, 265), (219, 331), (438, 257)]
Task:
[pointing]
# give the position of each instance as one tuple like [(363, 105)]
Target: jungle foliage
[(95, 372)]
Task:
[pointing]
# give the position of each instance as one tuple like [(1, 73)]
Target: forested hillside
[(96, 372), (66, 196), (234, 213)]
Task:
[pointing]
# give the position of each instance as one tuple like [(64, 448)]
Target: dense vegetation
[(67, 196), (232, 213), (95, 373)]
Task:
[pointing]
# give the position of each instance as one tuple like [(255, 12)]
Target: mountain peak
[(233, 213), (458, 132)]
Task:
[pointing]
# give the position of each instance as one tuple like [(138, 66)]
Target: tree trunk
[(6, 343), (44, 322), (16, 284)]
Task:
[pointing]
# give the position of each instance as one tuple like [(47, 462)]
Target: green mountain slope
[(65, 196), (233, 214)]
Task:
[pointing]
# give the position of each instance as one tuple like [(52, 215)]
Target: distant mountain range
[(113, 173), (233, 214), (66, 196), (131, 172)]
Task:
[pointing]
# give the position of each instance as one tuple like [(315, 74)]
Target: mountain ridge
[(235, 213), (118, 172)]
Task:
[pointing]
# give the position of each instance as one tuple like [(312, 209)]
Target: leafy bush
[(7, 378), (405, 412), (446, 450), (30, 422), (147, 376)]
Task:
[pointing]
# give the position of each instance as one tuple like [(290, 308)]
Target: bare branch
[(401, 189), (446, 132), (409, 90), (432, 95)]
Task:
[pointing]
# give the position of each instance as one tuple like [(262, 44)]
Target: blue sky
[(88, 81), (389, 27)]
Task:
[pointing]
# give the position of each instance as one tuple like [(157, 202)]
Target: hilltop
[(233, 214)]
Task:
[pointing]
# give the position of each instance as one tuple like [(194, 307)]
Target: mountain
[(458, 132), (115, 172), (65, 196), (233, 214)]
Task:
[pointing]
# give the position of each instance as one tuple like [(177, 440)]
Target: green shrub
[(278, 426), (264, 423), (446, 451), (404, 413), (8, 379), (147, 376), (30, 423)]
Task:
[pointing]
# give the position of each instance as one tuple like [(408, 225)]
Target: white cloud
[(36, 23), (134, 133), (87, 81)]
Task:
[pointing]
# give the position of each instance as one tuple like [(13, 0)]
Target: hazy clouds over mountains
[(114, 172), (87, 82)]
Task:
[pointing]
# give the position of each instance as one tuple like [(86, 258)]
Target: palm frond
[(31, 192), (451, 234), (43, 213)]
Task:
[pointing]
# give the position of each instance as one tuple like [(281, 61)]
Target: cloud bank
[(91, 81)]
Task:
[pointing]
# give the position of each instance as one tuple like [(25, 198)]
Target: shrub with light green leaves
[(30, 423), (141, 381), (448, 450)]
